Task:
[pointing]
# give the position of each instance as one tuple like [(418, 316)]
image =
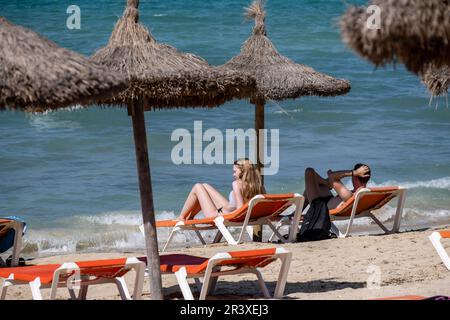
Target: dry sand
[(330, 269)]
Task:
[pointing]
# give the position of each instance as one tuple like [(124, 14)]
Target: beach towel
[(7, 241), (316, 224)]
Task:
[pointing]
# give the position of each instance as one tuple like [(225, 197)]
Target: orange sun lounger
[(5, 226), (223, 264), (74, 275), (364, 202), (258, 211), (435, 239)]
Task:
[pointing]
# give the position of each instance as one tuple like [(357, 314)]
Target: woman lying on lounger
[(247, 183), (318, 187)]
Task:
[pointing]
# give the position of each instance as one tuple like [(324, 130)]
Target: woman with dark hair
[(318, 187)]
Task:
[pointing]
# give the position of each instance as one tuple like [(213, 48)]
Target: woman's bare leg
[(192, 213), (198, 197), (315, 186), (341, 190), (190, 204), (218, 199)]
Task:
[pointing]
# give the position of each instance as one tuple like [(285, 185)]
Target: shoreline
[(328, 269), (358, 231)]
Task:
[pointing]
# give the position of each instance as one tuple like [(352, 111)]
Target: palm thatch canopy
[(160, 74), (38, 75), (278, 77), (437, 80), (414, 32)]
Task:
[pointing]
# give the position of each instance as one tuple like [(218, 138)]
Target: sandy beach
[(114, 114), (329, 269)]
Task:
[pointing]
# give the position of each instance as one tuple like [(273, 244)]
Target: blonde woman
[(246, 184)]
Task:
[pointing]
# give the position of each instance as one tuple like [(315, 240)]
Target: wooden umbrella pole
[(145, 188), (259, 124)]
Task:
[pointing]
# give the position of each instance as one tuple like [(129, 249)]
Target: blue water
[(72, 174)]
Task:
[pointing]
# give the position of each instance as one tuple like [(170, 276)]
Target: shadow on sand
[(247, 289)]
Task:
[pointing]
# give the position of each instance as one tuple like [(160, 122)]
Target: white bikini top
[(231, 199)]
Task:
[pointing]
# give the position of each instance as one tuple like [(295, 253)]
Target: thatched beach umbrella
[(277, 77), (38, 75), (437, 80), (414, 32), (160, 76)]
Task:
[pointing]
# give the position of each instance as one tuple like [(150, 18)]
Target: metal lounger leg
[(169, 240), (435, 239), (17, 247), (275, 231), (123, 288), (399, 211), (336, 230), (139, 282), (249, 230), (262, 284), (207, 281), (198, 284), (349, 226), (212, 285), (82, 294), (352, 216), (277, 227), (3, 288), (218, 237), (299, 201), (35, 287), (282, 277), (378, 222), (71, 284), (224, 231), (199, 236), (73, 295), (181, 276)]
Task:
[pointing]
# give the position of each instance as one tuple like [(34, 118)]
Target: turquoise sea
[(72, 174)]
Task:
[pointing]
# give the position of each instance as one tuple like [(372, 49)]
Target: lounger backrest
[(375, 199), (266, 206)]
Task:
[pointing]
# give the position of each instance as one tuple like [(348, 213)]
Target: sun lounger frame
[(400, 193), (17, 246), (206, 281), (435, 239), (77, 279), (222, 224)]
